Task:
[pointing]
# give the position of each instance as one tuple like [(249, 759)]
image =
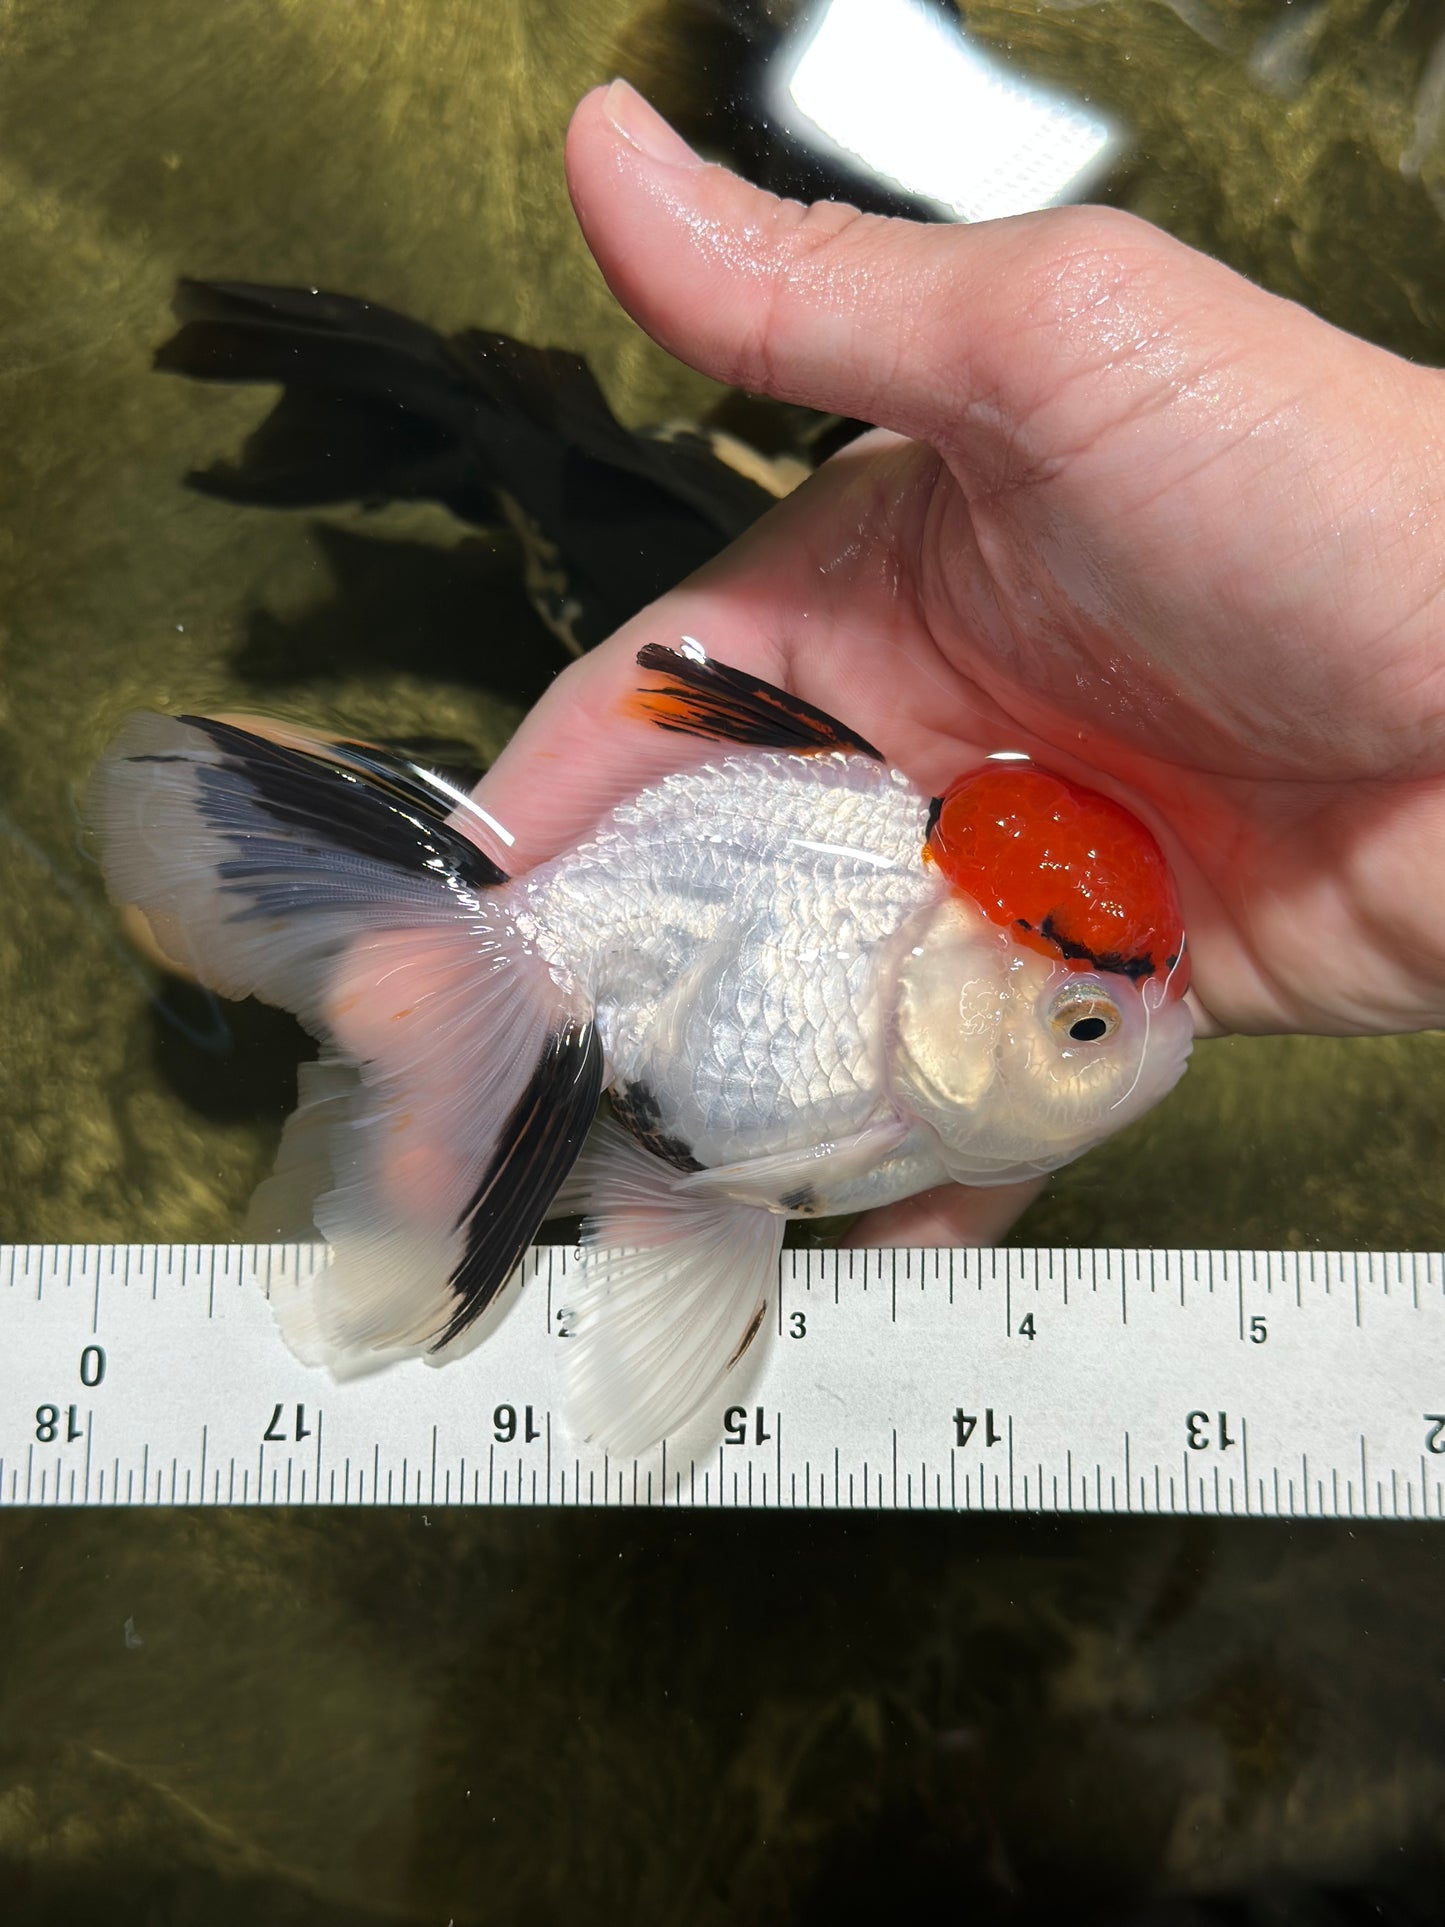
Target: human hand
[(1168, 533)]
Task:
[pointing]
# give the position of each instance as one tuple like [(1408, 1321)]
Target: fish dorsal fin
[(696, 696)]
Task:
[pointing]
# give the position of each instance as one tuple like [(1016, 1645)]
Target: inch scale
[(1275, 1384)]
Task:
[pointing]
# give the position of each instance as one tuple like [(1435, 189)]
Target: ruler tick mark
[(186, 1296)]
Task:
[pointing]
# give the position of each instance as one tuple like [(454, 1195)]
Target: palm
[(1154, 526)]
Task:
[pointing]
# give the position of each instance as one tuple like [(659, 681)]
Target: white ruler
[(1245, 1383)]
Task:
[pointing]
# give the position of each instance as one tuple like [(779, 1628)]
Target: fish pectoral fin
[(696, 696), (799, 1182), (674, 1291)]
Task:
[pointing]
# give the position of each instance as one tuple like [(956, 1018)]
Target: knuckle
[(807, 228), (819, 257), (1079, 261)]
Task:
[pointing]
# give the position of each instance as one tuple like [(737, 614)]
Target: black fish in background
[(379, 408)]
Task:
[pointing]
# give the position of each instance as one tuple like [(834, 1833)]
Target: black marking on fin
[(1133, 968), (803, 1200), (354, 797), (536, 1149), (749, 1335), (935, 810), (725, 705), (636, 1108)]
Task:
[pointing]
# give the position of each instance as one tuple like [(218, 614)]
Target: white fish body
[(792, 1010), (728, 927)]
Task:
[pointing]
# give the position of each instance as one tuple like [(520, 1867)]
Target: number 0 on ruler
[(1247, 1383)]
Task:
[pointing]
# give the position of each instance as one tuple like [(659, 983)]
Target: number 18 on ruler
[(1272, 1383)]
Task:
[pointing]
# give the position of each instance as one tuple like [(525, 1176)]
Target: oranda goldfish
[(806, 987)]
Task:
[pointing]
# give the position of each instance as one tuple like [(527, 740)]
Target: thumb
[(957, 335)]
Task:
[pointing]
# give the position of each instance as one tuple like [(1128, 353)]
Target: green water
[(433, 1717)]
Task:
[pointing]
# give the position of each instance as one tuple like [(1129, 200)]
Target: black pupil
[(1088, 1030)]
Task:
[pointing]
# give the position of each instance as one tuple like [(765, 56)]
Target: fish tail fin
[(378, 407), (374, 406), (675, 1290), (457, 1079)]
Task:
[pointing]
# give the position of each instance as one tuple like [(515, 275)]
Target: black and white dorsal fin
[(695, 696)]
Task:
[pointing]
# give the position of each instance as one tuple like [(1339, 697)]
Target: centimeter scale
[(1276, 1384)]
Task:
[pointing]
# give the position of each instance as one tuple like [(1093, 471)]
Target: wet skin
[(1169, 534)]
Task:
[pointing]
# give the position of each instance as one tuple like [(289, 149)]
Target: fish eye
[(1083, 1014)]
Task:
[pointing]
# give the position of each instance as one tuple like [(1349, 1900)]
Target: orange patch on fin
[(699, 697)]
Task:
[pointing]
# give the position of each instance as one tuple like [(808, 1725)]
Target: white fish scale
[(776, 1043), (727, 923)]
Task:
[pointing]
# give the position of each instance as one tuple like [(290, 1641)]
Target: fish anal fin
[(674, 1293), (696, 696)]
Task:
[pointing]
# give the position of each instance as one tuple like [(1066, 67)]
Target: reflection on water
[(422, 1717)]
